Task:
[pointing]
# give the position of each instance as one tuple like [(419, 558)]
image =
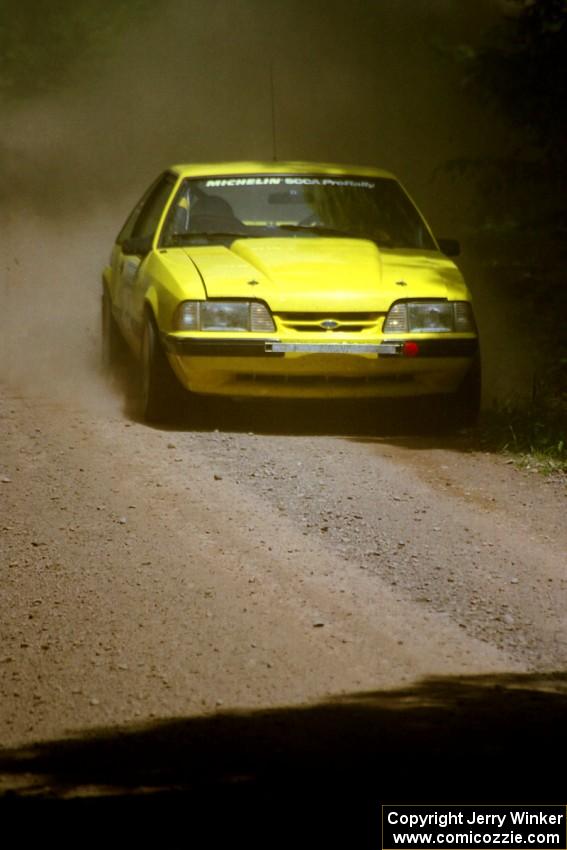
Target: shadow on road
[(309, 776), (417, 423)]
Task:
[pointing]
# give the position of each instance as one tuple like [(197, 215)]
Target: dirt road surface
[(271, 557), (158, 573)]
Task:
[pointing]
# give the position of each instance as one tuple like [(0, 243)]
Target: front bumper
[(257, 367), (215, 347)]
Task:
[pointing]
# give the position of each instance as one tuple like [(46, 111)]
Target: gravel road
[(270, 557)]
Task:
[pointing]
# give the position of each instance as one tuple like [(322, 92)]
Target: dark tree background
[(521, 73)]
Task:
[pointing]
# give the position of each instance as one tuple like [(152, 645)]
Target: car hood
[(297, 274)]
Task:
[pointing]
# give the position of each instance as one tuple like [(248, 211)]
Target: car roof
[(223, 168)]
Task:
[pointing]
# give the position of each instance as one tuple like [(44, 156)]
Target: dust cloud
[(364, 82)]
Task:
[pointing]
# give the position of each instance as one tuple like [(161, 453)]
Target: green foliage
[(520, 227), (45, 44), (520, 72), (535, 438), (523, 72)]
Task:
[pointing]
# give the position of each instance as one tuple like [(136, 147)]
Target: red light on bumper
[(410, 349)]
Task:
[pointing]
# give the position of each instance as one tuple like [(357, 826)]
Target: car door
[(118, 257), (129, 267)]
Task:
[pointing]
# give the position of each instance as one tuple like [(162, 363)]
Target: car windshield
[(240, 206)]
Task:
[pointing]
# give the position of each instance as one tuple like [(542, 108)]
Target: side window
[(177, 220), (128, 227), (150, 214)]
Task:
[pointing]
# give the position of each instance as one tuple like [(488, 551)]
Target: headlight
[(430, 317), (223, 316)]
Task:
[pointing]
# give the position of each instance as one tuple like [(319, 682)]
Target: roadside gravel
[(257, 562)]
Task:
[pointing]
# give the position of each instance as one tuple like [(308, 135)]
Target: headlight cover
[(239, 316), (430, 317)]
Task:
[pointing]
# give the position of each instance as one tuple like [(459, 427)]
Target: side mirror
[(139, 245), (449, 247)]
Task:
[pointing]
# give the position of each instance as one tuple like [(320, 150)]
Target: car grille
[(314, 322)]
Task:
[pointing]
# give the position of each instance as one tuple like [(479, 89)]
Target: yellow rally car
[(294, 280)]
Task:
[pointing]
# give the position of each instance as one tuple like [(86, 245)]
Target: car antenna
[(273, 105)]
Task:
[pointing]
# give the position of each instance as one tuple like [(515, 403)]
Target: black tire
[(161, 396), (112, 342), (462, 408)]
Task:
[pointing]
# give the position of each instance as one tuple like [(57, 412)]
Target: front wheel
[(161, 393), (462, 408)]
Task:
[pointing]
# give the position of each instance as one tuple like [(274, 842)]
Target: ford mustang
[(293, 280)]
